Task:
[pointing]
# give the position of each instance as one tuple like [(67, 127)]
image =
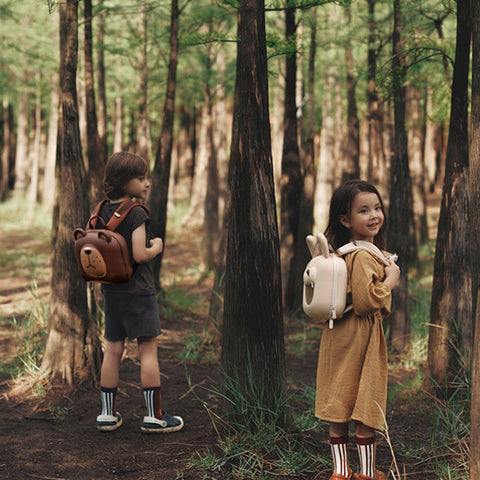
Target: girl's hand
[(156, 244), (392, 274)]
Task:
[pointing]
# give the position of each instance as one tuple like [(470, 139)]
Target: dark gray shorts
[(131, 316)]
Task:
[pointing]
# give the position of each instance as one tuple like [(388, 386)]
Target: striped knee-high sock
[(339, 448), (366, 453), (153, 397), (108, 396)]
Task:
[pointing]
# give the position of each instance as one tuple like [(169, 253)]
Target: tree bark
[(351, 167), (291, 181), (400, 208), (451, 332), (185, 148), (7, 149), (21, 163), (417, 167), (118, 125), (253, 345), (102, 100), (95, 149), (195, 217), (34, 156), (326, 162), (163, 158), (143, 146), (72, 344), (306, 219), (474, 184), (49, 175), (222, 121), (212, 224), (376, 169)]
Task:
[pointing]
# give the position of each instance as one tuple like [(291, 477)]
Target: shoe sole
[(109, 427), (158, 429)]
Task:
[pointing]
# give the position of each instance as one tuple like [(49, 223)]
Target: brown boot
[(378, 476)]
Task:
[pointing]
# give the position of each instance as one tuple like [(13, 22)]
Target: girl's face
[(138, 187), (365, 218)]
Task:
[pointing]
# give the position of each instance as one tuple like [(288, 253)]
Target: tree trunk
[(143, 146), (195, 217), (102, 100), (326, 161), (376, 149), (7, 149), (222, 119), (253, 345), (417, 167), (474, 184), (95, 148), (291, 182), (21, 163), (351, 168), (211, 230), (429, 152), (49, 175), (118, 125), (163, 158), (400, 207), (222, 133), (185, 154), (35, 157), (306, 221), (451, 333), (72, 344)]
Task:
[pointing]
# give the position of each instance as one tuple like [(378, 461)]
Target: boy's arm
[(142, 253)]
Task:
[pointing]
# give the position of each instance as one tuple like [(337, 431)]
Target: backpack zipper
[(333, 301)]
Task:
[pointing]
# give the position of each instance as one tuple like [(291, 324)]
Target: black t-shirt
[(142, 282)]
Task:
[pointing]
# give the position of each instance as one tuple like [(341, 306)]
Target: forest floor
[(53, 436)]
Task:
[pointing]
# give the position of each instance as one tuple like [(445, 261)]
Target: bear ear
[(78, 233)]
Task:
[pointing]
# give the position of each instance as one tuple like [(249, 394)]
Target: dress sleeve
[(369, 293)]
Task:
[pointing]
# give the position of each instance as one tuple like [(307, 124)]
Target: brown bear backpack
[(102, 253)]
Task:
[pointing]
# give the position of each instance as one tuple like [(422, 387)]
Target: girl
[(131, 308), (352, 365)]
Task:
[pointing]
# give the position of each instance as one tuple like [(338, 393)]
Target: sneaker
[(109, 423), (165, 424)]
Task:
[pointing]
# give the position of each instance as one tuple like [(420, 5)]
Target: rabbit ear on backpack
[(318, 246), (311, 244)]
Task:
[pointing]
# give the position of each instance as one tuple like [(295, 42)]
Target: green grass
[(27, 256), (30, 334), (252, 443), (15, 215), (304, 335)]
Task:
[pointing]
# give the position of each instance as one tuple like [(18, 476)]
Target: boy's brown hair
[(120, 169)]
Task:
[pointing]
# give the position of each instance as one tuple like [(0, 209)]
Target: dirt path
[(54, 437)]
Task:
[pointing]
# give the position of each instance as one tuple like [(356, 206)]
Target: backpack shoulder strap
[(92, 221), (363, 245), (122, 211)]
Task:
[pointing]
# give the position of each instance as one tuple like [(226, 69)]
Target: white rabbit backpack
[(325, 278)]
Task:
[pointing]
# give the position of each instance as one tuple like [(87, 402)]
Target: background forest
[(376, 89)]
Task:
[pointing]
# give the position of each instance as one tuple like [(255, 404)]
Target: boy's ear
[(344, 221)]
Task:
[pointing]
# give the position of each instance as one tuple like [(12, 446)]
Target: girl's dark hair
[(120, 169), (341, 204)]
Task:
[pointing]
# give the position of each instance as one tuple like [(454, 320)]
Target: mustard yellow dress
[(352, 368)]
